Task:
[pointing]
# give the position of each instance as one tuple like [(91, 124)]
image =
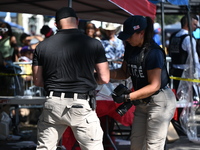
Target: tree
[(169, 19)]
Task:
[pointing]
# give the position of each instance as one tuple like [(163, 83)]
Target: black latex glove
[(119, 99)]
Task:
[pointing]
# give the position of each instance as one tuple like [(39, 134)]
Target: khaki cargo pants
[(151, 121), (59, 113)]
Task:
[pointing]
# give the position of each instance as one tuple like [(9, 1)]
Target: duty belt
[(141, 101), (148, 99), (165, 87), (69, 95)]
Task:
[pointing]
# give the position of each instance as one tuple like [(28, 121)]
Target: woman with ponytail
[(144, 61)]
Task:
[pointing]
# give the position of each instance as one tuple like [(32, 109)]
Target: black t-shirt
[(154, 58), (68, 59)]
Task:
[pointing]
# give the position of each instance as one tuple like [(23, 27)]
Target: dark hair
[(184, 19), (23, 36), (91, 24), (149, 31), (45, 29), (9, 28)]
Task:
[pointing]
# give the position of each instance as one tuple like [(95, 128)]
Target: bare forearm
[(102, 74), (38, 81), (39, 84), (37, 76), (100, 80), (143, 92), (154, 79)]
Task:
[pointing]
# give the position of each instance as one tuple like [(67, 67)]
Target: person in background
[(180, 47), (26, 54), (113, 46), (98, 34), (46, 31), (157, 32), (154, 101), (26, 39), (9, 54), (9, 51), (2, 62), (64, 65), (8, 43), (26, 57), (90, 30)]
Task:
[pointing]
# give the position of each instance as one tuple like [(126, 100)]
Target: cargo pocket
[(78, 115), (94, 132), (51, 112)]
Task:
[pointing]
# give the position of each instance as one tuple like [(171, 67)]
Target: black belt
[(69, 95), (141, 101), (165, 87), (148, 99)]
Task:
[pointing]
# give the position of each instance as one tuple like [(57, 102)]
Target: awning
[(102, 10), (137, 7)]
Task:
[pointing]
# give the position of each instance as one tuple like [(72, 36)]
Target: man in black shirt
[(64, 65)]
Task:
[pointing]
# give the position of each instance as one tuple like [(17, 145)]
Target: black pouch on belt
[(92, 101)]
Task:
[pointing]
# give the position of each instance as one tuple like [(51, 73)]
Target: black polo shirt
[(68, 59)]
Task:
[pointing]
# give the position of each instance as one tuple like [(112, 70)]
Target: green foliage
[(169, 19)]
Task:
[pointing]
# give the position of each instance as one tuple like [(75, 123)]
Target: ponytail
[(149, 31)]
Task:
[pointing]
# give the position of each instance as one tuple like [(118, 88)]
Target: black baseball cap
[(65, 12), (132, 25)]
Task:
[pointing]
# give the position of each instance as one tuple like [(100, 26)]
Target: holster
[(92, 101)]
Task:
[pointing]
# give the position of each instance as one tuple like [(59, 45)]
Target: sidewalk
[(183, 144)]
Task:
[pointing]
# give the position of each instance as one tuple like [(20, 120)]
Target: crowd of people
[(12, 52), (69, 64)]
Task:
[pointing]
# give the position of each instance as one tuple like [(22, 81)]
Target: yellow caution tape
[(185, 79), (171, 77), (12, 74)]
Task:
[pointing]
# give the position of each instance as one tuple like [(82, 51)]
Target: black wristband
[(127, 97)]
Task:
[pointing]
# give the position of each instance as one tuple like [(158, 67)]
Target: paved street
[(183, 144), (121, 143)]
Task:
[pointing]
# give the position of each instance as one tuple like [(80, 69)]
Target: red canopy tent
[(102, 10), (137, 7)]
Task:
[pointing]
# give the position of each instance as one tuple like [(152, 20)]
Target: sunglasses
[(3, 29)]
